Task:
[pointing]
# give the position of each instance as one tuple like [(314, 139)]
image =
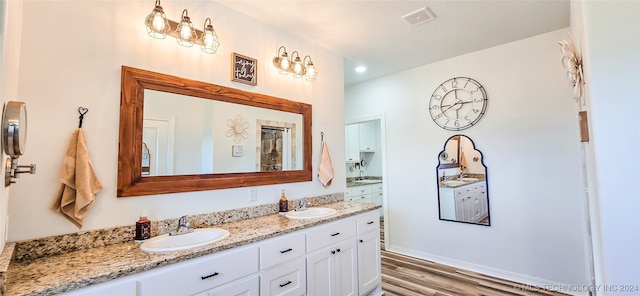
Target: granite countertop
[(353, 183), (68, 271), (463, 182)]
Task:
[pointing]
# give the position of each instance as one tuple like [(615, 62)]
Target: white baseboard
[(530, 282)]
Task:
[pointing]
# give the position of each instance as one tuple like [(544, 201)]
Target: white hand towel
[(79, 181), (325, 172)]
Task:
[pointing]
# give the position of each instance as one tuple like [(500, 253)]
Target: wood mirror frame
[(130, 181)]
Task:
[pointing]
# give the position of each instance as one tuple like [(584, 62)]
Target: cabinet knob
[(338, 250), (333, 252), (361, 241)]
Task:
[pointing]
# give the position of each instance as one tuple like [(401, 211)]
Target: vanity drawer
[(360, 190), (200, 274), (281, 249), (479, 188), (325, 235), (287, 279), (368, 222)]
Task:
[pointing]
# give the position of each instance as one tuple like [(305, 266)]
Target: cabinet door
[(346, 257), (369, 275), (352, 142), (333, 270), (367, 136), (320, 274)]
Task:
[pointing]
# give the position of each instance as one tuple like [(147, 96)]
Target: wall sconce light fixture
[(298, 67), (159, 26)]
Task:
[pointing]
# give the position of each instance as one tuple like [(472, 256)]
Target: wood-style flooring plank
[(408, 276)]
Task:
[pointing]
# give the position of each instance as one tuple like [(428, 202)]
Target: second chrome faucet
[(183, 227)]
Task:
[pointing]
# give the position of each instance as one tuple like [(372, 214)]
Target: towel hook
[(82, 112)]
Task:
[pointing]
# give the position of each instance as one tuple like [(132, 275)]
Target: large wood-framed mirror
[(243, 129)]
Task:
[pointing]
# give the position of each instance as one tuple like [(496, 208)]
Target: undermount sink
[(310, 213), (469, 179), (453, 183), (367, 181), (198, 238)]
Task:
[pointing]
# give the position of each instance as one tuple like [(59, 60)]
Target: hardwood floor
[(408, 276)]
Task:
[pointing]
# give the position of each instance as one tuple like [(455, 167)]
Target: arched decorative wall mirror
[(463, 194), (179, 135)]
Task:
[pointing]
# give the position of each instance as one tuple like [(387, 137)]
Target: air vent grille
[(420, 16)]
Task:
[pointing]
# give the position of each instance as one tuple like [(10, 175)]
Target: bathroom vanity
[(464, 202), (268, 255)]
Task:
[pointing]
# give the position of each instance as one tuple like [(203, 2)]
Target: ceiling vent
[(420, 16)]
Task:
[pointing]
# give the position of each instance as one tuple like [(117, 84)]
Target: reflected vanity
[(180, 135), (462, 183)]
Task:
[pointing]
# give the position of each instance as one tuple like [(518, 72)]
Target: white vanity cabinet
[(467, 203), (332, 260)]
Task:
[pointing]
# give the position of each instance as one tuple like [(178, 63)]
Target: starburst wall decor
[(572, 61), (237, 129)]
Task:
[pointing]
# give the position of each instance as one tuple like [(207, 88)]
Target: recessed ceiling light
[(361, 69)]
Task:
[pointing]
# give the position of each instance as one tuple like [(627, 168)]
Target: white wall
[(80, 64), (612, 68), (9, 63), (529, 140)]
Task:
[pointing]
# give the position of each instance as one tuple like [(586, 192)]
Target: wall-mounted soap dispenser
[(14, 140)]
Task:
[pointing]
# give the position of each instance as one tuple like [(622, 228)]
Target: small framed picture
[(244, 69), (236, 151)]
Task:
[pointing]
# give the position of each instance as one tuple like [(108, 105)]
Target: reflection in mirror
[(462, 182), (192, 136)]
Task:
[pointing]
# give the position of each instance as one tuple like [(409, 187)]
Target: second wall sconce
[(159, 26), (298, 67)]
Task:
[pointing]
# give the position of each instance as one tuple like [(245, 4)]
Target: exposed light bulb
[(158, 22), (185, 31)]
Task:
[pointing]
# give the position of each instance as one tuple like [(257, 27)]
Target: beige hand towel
[(463, 162), (325, 172), (79, 181)]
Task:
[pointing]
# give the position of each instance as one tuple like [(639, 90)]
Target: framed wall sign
[(244, 69)]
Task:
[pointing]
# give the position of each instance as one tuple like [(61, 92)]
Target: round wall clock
[(458, 103)]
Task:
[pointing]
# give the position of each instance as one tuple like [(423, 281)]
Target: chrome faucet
[(361, 172), (183, 227), (303, 204)]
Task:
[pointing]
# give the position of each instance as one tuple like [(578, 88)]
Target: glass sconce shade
[(209, 38), (157, 23), (297, 69), (282, 62), (310, 70), (185, 30)]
